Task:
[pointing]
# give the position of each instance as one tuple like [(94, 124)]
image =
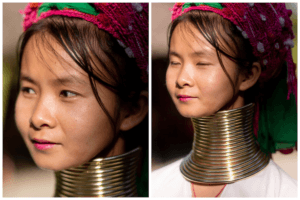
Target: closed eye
[(203, 64), (174, 63)]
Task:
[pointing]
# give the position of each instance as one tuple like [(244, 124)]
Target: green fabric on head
[(278, 119), (279, 146), (214, 5), (82, 7)]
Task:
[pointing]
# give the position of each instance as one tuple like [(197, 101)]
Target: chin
[(51, 163), (192, 113), (48, 166)]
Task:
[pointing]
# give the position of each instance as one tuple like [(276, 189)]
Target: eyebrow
[(173, 53), (58, 81), (26, 78), (67, 80), (196, 53), (200, 53)]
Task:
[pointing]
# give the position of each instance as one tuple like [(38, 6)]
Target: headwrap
[(127, 22), (268, 28)]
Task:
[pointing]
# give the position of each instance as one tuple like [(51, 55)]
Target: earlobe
[(137, 115), (251, 78)]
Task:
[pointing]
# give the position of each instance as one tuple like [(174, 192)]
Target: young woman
[(83, 94), (228, 64)]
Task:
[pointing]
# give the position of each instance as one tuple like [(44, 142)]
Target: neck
[(100, 177), (224, 148)]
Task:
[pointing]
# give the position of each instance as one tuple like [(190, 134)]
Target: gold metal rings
[(101, 177), (224, 148)]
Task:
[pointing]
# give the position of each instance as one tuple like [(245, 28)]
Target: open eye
[(68, 94), (27, 90)]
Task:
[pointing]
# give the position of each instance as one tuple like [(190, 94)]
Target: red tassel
[(286, 151)]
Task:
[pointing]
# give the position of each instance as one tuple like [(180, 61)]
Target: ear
[(250, 79), (137, 114)]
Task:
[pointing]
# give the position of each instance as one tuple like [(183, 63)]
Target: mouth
[(185, 98), (43, 144)]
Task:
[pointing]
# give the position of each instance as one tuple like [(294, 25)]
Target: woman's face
[(195, 79), (56, 111)]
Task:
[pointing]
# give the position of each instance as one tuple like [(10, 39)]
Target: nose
[(185, 78), (43, 115)]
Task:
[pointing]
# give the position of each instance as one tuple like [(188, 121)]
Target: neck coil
[(100, 177), (224, 148)]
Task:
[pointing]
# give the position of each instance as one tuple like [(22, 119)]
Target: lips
[(41, 144), (185, 98)]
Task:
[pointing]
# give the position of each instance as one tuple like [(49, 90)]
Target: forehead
[(43, 55), (187, 34)]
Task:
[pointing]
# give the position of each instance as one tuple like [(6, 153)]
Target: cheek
[(22, 116), (214, 84), (217, 85), (87, 130), (170, 80)]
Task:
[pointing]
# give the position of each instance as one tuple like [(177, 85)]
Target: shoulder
[(270, 182), (168, 182), (284, 185)]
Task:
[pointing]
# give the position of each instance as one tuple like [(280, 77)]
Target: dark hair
[(212, 26), (95, 51)]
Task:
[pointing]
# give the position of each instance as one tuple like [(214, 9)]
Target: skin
[(67, 113), (195, 71)]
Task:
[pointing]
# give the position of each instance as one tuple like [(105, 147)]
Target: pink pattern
[(122, 20)]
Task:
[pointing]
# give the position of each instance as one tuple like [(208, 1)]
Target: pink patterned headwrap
[(127, 22), (268, 28)]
